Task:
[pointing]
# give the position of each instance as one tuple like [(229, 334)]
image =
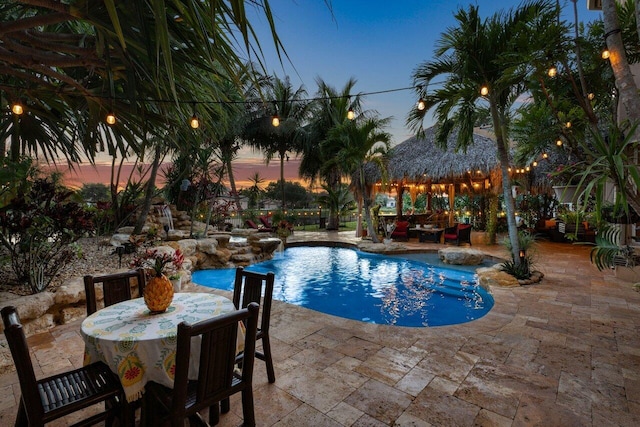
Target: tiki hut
[(418, 165)]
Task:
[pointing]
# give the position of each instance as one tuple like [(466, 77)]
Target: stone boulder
[(461, 256), (493, 276)]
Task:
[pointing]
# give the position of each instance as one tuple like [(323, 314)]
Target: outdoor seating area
[(539, 358)]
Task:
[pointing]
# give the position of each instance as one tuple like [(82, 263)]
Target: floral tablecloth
[(141, 347)]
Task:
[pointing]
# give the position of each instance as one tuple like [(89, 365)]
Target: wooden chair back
[(216, 377), (59, 395), (116, 288), (255, 287), (22, 359)]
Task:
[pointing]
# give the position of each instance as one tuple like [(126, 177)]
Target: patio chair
[(217, 378), (401, 232), (254, 287), (265, 222), (459, 233), (116, 288), (250, 224), (54, 397)]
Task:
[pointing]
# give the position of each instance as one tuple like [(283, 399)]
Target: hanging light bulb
[(534, 164), (606, 53), (17, 109), (527, 168), (275, 120), (552, 71), (194, 122), (421, 105), (545, 155), (591, 96), (350, 114), (568, 125), (559, 142), (484, 90), (111, 118)]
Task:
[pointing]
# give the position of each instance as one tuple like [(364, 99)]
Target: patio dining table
[(139, 346), (428, 234)]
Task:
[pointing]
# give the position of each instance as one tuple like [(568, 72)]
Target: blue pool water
[(367, 287)]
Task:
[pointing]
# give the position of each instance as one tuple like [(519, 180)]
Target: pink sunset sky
[(242, 168)]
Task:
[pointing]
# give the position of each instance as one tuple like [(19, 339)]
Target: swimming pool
[(368, 287)]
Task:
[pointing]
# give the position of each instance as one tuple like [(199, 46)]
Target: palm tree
[(293, 112), (329, 110), (363, 141), (254, 192), (483, 54)]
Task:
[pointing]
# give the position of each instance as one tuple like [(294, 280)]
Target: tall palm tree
[(477, 54), (363, 140), (293, 112), (329, 111)]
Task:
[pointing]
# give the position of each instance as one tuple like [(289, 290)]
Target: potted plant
[(284, 229), (158, 265)]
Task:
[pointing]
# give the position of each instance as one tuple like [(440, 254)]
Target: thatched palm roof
[(421, 160)]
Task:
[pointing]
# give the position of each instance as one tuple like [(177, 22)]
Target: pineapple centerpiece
[(158, 292)]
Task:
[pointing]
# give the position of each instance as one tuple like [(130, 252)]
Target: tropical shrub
[(38, 228), (522, 268)]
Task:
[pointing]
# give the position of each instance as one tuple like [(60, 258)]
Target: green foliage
[(521, 268), (297, 195), (608, 252), (38, 228), (94, 192)]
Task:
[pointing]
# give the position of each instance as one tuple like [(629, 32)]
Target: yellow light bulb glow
[(17, 109), (421, 105), (484, 90), (275, 121), (111, 118), (194, 122), (552, 71), (559, 143), (606, 54), (350, 114)]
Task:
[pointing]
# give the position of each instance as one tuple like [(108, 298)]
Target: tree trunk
[(333, 222), (503, 156), (627, 89), (232, 184), (282, 154), (148, 192)]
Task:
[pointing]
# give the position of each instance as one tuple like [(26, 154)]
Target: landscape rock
[(461, 256)]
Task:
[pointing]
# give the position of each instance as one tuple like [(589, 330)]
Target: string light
[(17, 109), (194, 122), (552, 71), (591, 96), (275, 119), (421, 104), (568, 125), (484, 90), (350, 114), (111, 118), (606, 53), (559, 142)]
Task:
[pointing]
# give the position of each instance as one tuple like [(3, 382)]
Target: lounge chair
[(265, 222), (251, 224), (401, 232), (459, 233)]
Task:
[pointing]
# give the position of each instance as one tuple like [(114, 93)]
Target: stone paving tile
[(380, 401), (311, 417), (442, 409)]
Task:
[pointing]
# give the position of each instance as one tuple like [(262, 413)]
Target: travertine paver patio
[(565, 352)]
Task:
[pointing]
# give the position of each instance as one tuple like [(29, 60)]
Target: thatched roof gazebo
[(420, 166)]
